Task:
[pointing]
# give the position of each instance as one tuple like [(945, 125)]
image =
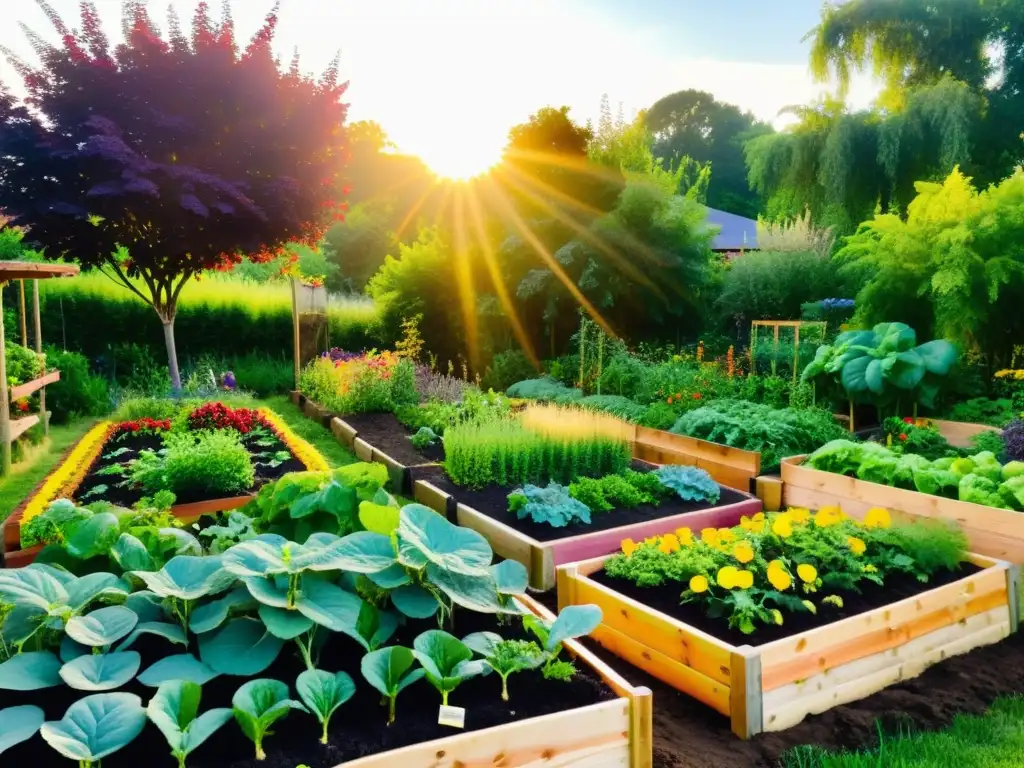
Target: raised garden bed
[(541, 548), (78, 473), (732, 467), (775, 685), (993, 532)]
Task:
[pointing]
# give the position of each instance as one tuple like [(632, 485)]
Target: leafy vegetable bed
[(360, 727), (387, 434)]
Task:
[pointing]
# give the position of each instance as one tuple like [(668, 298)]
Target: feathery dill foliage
[(544, 444)]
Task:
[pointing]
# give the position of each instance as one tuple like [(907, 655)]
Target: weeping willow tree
[(953, 268), (844, 166)]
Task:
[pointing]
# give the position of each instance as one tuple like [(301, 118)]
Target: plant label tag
[(452, 716)]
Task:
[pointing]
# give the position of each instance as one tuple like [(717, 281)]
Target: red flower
[(697, 395), (669, 400), (908, 420), (903, 435), (220, 416)]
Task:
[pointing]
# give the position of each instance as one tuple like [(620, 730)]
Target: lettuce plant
[(259, 704), (446, 660), (390, 671), (96, 726), (505, 657), (174, 709), (323, 692)]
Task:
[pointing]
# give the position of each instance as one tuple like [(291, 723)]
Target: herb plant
[(506, 657)]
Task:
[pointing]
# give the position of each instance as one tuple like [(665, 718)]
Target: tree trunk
[(172, 353)]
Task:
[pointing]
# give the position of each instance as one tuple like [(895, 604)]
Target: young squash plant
[(447, 661), (323, 693), (390, 671), (175, 711), (574, 621), (95, 727), (184, 580), (259, 704)]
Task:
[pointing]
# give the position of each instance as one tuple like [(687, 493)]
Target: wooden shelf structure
[(12, 429)]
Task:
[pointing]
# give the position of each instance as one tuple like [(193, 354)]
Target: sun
[(459, 157)]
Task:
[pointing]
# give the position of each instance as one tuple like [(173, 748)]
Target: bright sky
[(448, 78)]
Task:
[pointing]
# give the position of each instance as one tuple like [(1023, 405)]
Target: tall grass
[(543, 444), (218, 315)]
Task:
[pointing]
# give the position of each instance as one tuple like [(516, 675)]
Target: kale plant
[(690, 483), (552, 505)]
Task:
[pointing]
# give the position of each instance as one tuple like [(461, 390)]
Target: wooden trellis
[(12, 429), (819, 325)]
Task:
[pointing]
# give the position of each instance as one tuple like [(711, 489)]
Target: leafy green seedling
[(323, 692), (389, 670), (573, 621), (257, 705), (447, 661), (95, 727), (175, 711), (505, 657)]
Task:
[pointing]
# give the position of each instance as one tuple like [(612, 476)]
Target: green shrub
[(79, 393), (544, 388), (196, 464), (982, 410), (507, 368), (261, 374), (23, 364), (616, 405), (146, 407), (618, 491), (658, 416)]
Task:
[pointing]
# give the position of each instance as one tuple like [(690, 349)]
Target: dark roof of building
[(735, 232)]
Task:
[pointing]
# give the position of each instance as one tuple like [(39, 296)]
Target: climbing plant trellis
[(815, 332)]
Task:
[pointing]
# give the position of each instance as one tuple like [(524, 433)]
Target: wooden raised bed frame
[(774, 686), (731, 467), (612, 734), (542, 558), (992, 532)]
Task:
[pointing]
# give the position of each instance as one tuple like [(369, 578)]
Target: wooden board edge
[(746, 701)]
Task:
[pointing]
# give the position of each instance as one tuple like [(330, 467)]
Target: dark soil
[(665, 598), (357, 729), (493, 502), (132, 444), (386, 433)]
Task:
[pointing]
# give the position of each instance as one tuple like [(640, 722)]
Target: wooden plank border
[(775, 685), (997, 533), (731, 467), (542, 558)]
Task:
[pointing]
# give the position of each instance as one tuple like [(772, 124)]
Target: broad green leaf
[(21, 623), (389, 670), (330, 606), (241, 647), (483, 643), (323, 692), (390, 578), (510, 577), (263, 556), (131, 554), (258, 704), (573, 621), (148, 606), (907, 370), (209, 616), (18, 724), (874, 377), (31, 587), (415, 602), (938, 356), (378, 518), (284, 624), (440, 654), (448, 546), (170, 632), (70, 650), (102, 627), (184, 542), (174, 710), (477, 593), (92, 586), (854, 376), (96, 726), (184, 666), (188, 578), (362, 552), (30, 672), (101, 672), (94, 537), (272, 591)]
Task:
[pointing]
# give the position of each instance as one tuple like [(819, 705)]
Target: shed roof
[(734, 232), (34, 270)]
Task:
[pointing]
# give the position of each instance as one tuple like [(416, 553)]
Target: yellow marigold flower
[(727, 577), (877, 517), (651, 540), (743, 552), (699, 584), (757, 526), (669, 544), (628, 547), (685, 536), (782, 527), (800, 514), (828, 516), (777, 615), (744, 579), (745, 523), (835, 600), (857, 546), (726, 536), (759, 517), (709, 536), (779, 576), (807, 573), (810, 606)]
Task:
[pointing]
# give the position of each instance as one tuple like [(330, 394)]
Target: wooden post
[(295, 328), (852, 428), (775, 349), (5, 406), (24, 324), (746, 703), (753, 347), (796, 351), (37, 329)]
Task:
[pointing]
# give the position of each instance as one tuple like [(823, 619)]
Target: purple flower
[(1013, 437)]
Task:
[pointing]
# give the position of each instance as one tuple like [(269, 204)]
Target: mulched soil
[(688, 734), (665, 598), (386, 433), (493, 502), (357, 729), (133, 444)]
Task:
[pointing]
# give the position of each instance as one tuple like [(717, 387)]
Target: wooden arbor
[(12, 429)]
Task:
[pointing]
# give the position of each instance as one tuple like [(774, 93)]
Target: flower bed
[(779, 662), (366, 606), (89, 472)]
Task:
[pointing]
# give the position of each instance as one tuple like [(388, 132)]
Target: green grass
[(40, 461), (992, 740), (322, 439)]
